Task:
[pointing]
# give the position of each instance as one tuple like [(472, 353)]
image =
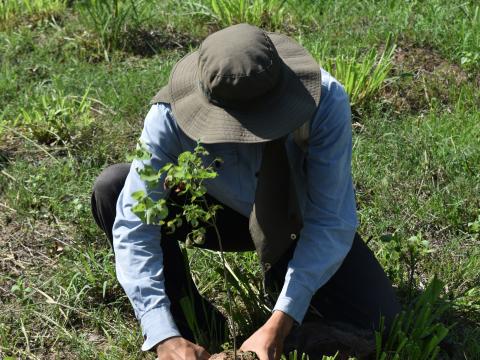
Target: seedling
[(186, 178)]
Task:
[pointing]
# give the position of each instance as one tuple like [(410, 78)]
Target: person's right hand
[(178, 348)]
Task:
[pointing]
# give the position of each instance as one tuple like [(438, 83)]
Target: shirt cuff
[(157, 325), (294, 300)]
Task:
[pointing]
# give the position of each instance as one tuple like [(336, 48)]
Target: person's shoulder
[(332, 90), (159, 113), (333, 98), (160, 120)]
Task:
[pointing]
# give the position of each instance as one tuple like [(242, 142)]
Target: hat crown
[(238, 64)]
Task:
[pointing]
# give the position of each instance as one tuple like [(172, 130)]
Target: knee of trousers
[(390, 314), (110, 182)]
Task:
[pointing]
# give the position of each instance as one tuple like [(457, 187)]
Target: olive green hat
[(243, 85)]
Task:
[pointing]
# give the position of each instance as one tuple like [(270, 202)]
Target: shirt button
[(267, 266), (293, 236), (217, 163)]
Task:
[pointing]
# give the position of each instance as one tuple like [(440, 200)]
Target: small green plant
[(474, 227), (269, 13), (21, 291), (56, 119), (403, 256), (186, 177), (361, 77), (416, 333)]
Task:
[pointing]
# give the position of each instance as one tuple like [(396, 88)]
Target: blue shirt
[(324, 185)]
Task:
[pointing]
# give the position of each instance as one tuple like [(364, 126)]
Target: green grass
[(75, 85), (13, 9)]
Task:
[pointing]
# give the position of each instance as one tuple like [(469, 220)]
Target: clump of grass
[(55, 118), (110, 20), (362, 77), (417, 333), (265, 13), (10, 9)]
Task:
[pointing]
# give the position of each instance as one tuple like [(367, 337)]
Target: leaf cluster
[(185, 178)]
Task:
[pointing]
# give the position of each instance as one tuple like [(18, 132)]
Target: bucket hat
[(243, 85)]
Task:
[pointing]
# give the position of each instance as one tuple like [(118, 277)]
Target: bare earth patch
[(26, 247), (148, 42), (424, 75)]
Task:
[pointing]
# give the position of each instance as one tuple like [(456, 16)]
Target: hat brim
[(292, 103)]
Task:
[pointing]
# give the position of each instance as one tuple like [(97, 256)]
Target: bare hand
[(178, 348), (267, 342)]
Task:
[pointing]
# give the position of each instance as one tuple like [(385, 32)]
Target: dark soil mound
[(326, 338), (228, 355)]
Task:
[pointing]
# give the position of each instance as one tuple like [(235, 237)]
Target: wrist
[(168, 342), (281, 323)]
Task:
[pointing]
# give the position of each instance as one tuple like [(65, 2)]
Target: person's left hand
[(267, 342)]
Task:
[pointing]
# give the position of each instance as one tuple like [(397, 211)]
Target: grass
[(266, 13), (76, 82), (362, 77), (13, 9)]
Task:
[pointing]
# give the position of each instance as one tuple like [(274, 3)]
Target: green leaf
[(138, 195)]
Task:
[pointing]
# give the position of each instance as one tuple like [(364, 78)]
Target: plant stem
[(225, 281)]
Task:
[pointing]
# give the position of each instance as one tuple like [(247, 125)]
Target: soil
[(423, 75), (147, 42), (318, 338), (26, 246), (228, 355)]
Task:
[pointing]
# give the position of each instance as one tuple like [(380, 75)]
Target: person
[(246, 94)]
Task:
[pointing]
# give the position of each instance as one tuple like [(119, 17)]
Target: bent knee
[(111, 180), (389, 314)]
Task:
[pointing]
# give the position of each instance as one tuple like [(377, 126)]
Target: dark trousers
[(359, 293)]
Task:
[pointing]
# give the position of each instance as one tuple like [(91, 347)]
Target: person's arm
[(138, 255), (330, 219), (329, 222)]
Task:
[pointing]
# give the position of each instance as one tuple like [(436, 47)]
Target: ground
[(75, 85)]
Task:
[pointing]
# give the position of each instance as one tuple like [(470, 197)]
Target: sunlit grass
[(10, 9), (416, 173)]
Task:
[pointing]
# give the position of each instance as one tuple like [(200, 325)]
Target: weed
[(403, 256), (417, 333), (251, 310), (110, 20), (56, 119), (362, 77)]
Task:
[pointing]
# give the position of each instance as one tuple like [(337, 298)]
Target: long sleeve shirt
[(323, 181)]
